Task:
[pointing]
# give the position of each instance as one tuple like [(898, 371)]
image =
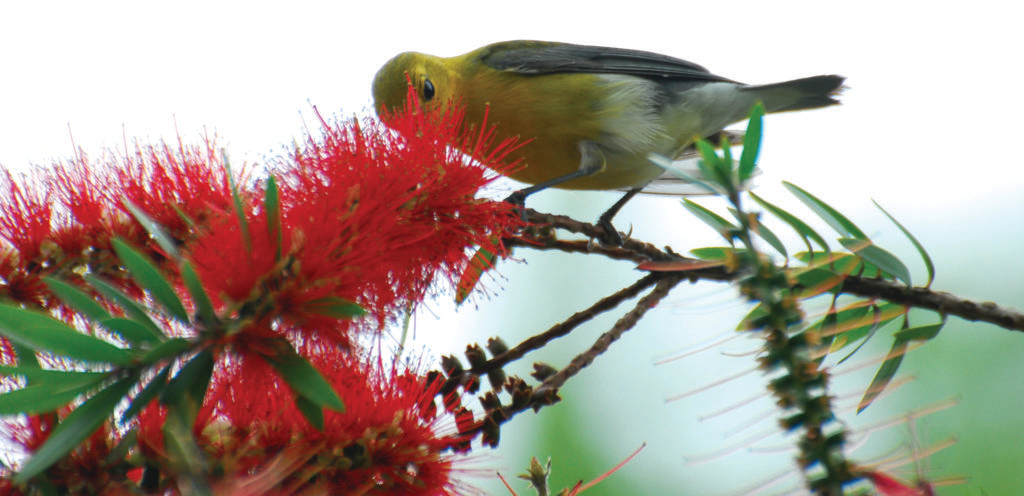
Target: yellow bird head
[(433, 80)]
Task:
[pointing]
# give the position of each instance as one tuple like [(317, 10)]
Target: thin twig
[(640, 252), (565, 327), (627, 322)]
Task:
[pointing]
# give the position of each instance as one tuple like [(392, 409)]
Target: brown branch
[(627, 322), (563, 328), (940, 301), (640, 252)]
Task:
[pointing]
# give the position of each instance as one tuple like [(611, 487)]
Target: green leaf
[(42, 332), (867, 332), (26, 357), (132, 309), (243, 221), (272, 206), (880, 258), (811, 282), (167, 349), (54, 377), (751, 143), (149, 277), (129, 330), (885, 374), (713, 167), (717, 222), (314, 413), (155, 230), (147, 395), (754, 319), (304, 379), (920, 333), (201, 300), (769, 237), (838, 262), (74, 429), (482, 261), (188, 387), (76, 299), (830, 215), (724, 253), (917, 244), (856, 321), (332, 306), (798, 225), (44, 397), (666, 164)]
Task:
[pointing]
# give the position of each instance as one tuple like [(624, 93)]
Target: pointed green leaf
[(867, 332), (131, 308), (332, 306), (838, 262), (147, 395), (74, 429), (714, 168), (751, 143), (798, 225), (26, 357), (811, 282), (885, 374), (148, 276), (54, 377), (130, 330), (188, 387), (755, 319), (42, 332), (272, 206), (155, 230), (167, 349), (314, 413), (76, 299), (304, 379), (717, 222), (243, 221), (919, 333), (44, 397), (766, 234), (482, 261), (717, 252), (200, 299), (666, 164), (878, 257), (830, 215), (917, 244)]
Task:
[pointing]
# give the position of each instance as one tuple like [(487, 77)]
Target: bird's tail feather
[(799, 94)]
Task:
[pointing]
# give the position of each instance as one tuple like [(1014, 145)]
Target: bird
[(589, 117)]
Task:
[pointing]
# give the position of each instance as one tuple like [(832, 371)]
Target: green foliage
[(793, 345)]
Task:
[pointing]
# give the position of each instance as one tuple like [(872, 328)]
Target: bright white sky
[(928, 126)]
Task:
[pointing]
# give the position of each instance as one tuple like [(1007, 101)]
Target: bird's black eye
[(428, 90)]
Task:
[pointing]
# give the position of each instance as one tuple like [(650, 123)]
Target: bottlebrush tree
[(173, 325)]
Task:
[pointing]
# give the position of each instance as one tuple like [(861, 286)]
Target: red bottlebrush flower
[(87, 469), (367, 215), (387, 442), (25, 211)]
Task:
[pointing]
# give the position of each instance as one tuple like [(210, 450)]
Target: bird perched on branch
[(593, 116)]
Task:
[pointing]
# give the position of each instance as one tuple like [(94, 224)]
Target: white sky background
[(928, 126)]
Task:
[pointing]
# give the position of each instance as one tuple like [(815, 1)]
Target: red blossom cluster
[(365, 213)]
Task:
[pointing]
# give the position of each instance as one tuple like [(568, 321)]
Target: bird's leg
[(611, 235), (591, 162)]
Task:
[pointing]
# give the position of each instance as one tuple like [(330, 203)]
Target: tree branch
[(640, 252)]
